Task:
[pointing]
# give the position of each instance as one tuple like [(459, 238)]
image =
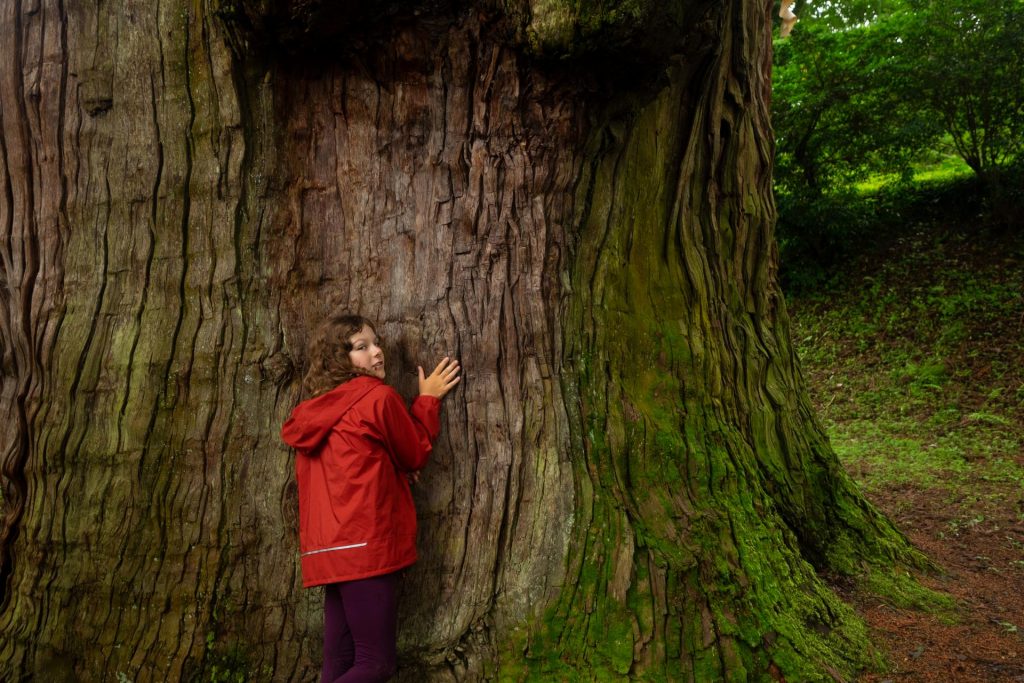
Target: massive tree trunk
[(573, 200)]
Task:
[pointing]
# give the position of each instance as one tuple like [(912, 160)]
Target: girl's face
[(365, 353)]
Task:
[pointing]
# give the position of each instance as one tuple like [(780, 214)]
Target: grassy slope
[(914, 354), (915, 357)]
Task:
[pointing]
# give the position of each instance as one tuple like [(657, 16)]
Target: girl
[(356, 447)]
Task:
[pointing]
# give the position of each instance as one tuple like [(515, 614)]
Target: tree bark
[(629, 481)]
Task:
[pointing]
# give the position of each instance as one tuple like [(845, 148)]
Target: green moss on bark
[(562, 27), (707, 494)]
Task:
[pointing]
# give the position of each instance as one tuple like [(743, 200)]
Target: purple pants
[(359, 630)]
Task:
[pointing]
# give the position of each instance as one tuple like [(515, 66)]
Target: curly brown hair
[(329, 364)]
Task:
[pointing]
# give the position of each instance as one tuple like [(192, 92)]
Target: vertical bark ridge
[(13, 120), (35, 225), (110, 437)]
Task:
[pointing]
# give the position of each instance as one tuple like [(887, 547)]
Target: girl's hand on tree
[(444, 377)]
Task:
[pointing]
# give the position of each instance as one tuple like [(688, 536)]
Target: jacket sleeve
[(408, 437)]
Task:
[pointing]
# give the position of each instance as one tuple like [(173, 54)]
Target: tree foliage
[(867, 86), (835, 115), (964, 62)]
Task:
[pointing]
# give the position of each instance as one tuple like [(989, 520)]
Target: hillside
[(914, 355)]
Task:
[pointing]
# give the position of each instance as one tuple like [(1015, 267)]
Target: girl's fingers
[(446, 372), (446, 367)]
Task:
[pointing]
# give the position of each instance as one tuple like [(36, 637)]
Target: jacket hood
[(311, 421)]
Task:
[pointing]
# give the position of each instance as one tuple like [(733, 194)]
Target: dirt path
[(983, 558)]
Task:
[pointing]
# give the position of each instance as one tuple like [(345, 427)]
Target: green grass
[(947, 167), (936, 168), (914, 358)]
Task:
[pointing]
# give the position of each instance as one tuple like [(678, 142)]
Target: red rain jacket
[(354, 446)]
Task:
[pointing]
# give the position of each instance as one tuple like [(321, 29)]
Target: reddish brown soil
[(979, 544)]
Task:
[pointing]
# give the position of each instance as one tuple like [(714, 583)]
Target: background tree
[(843, 108), (965, 63), (573, 198), (875, 91), (868, 87)]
